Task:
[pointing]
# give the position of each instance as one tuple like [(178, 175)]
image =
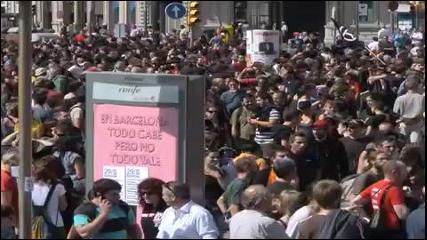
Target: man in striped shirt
[(265, 119)]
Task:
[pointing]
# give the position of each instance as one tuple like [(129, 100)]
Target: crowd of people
[(325, 142)]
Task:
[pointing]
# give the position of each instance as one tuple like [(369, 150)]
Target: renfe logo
[(132, 90)]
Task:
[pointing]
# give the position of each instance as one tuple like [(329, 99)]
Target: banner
[(132, 143)]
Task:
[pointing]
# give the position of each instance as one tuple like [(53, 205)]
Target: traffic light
[(33, 9), (193, 12)]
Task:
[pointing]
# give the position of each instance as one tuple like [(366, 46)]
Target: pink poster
[(134, 142)]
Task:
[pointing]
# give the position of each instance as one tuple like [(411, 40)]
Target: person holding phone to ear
[(105, 216)]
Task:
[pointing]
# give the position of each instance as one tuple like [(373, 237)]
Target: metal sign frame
[(191, 126)]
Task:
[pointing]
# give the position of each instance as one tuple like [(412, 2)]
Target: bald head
[(256, 197), (395, 171)]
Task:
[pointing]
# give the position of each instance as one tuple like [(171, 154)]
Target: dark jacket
[(331, 157), (340, 224)]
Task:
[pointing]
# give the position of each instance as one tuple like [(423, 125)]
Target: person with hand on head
[(105, 216)]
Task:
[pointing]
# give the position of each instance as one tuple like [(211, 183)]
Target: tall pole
[(357, 20), (145, 15), (78, 16), (90, 15), (25, 118), (392, 21), (416, 15)]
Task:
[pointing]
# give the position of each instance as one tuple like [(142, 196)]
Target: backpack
[(377, 221), (42, 226), (347, 184), (340, 224), (89, 209)]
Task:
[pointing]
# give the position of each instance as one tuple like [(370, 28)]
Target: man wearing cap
[(329, 153)]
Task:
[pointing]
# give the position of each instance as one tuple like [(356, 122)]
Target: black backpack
[(340, 224)]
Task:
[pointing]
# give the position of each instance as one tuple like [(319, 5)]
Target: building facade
[(312, 16)]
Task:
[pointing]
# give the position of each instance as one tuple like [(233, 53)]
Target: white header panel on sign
[(135, 93)]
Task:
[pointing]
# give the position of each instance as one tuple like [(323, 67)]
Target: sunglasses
[(212, 111)]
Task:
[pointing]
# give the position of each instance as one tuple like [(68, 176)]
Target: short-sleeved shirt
[(240, 118), (115, 213), (8, 184), (39, 195), (251, 224), (394, 196), (233, 192), (410, 105), (264, 137)]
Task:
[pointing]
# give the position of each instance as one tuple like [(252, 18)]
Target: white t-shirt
[(39, 195), (251, 224), (373, 46), (296, 219), (410, 105)]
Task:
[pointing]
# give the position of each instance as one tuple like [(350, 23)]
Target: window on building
[(240, 8), (263, 14), (259, 14), (367, 12)]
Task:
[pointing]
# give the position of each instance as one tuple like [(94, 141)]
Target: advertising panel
[(262, 46), (129, 145)]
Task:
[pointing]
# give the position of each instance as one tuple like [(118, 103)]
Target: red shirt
[(394, 196), (8, 184), (79, 38)]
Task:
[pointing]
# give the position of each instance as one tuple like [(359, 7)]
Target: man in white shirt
[(374, 46), (184, 219), (411, 107), (253, 222)]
